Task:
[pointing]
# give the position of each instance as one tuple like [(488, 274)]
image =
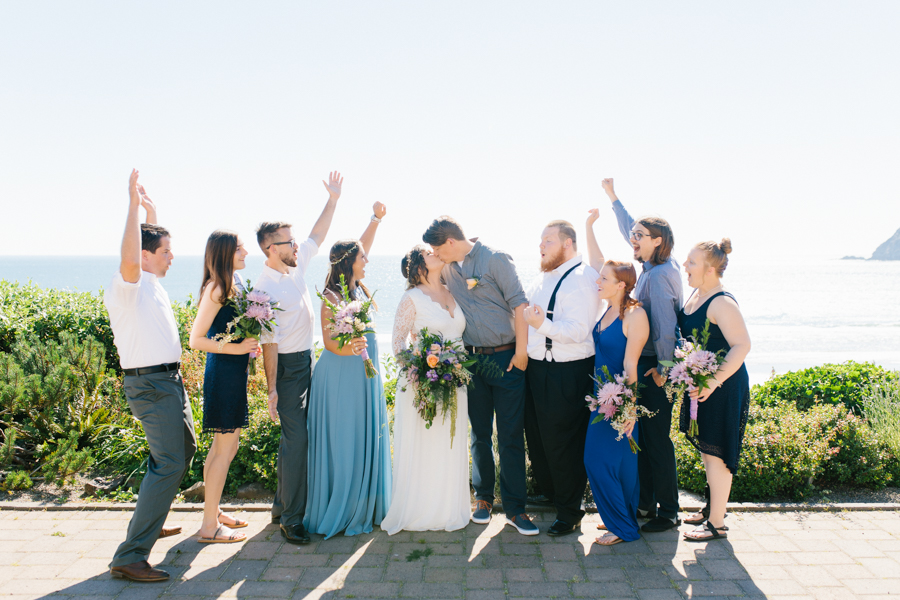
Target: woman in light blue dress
[(349, 441)]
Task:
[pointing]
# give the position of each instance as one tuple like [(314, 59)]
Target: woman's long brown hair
[(218, 262), (342, 256)]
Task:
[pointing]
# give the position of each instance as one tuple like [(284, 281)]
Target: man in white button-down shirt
[(146, 337), (287, 354), (564, 308)]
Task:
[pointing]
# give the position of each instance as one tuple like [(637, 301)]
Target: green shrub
[(66, 460), (47, 313), (788, 451), (17, 480), (881, 407), (845, 383)]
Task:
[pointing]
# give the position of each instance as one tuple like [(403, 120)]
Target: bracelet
[(375, 219), (718, 383)]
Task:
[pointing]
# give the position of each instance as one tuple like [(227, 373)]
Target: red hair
[(624, 272)]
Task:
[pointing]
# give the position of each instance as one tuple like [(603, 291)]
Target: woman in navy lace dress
[(723, 407), (225, 380)]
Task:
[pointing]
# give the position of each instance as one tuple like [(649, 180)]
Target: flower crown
[(345, 255)]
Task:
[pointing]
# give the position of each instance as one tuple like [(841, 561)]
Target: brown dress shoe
[(168, 531), (139, 571)]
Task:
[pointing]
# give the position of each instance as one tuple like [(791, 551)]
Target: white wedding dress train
[(430, 480)]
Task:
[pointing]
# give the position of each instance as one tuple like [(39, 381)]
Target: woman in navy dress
[(225, 380), (723, 407), (611, 466)]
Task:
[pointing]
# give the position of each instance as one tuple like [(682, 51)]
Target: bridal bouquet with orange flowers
[(435, 368)]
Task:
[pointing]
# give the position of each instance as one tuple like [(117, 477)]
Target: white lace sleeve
[(404, 321)]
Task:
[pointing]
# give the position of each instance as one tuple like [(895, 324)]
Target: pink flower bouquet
[(691, 370), (616, 402), (255, 312), (350, 318)]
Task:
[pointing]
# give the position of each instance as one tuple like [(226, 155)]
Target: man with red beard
[(564, 308)]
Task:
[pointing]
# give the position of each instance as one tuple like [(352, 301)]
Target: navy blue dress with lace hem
[(225, 383), (722, 418)]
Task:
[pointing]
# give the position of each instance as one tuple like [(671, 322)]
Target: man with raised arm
[(287, 353), (659, 291), (146, 337)]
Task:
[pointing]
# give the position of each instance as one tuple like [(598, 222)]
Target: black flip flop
[(715, 535)]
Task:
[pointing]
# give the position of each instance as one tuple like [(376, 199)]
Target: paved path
[(768, 555)]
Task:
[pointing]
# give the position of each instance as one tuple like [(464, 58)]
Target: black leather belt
[(154, 369), (480, 350)]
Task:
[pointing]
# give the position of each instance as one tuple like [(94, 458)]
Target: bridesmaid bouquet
[(255, 312), (435, 368), (350, 318), (616, 400), (692, 368)]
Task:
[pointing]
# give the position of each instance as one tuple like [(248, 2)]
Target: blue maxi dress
[(611, 466), (349, 446)]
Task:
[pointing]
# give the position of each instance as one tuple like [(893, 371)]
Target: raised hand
[(334, 185), (593, 215), (608, 188), (148, 205), (133, 194), (379, 210)]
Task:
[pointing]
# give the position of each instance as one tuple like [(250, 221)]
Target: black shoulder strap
[(550, 306)]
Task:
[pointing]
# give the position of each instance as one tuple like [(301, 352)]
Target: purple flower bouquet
[(255, 312), (350, 318), (616, 401), (691, 370)]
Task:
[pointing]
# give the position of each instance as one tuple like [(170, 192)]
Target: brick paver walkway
[(768, 555)]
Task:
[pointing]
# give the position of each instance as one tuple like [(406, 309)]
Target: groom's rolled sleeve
[(504, 273)]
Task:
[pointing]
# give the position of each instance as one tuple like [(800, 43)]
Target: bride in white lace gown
[(430, 479)]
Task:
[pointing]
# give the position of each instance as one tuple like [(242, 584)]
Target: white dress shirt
[(294, 324), (576, 312), (142, 322)]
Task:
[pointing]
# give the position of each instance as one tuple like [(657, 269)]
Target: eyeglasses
[(639, 235), (292, 242)]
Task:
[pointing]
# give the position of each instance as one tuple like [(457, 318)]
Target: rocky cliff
[(890, 250)]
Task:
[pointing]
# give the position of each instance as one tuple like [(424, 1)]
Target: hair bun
[(725, 245)]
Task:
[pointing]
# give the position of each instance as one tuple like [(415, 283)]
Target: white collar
[(567, 265)]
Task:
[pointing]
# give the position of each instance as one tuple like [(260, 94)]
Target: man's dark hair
[(659, 228), (442, 229), (266, 231), (151, 237)]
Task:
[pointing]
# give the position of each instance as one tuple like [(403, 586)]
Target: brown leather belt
[(481, 350)]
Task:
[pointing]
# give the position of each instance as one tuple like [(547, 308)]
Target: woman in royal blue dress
[(225, 410), (611, 465), (724, 405), (349, 478)]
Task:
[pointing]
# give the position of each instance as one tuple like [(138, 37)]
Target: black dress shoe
[(295, 534), (562, 528), (660, 524), (540, 500), (277, 519)]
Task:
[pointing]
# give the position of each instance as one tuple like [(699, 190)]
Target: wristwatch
[(375, 219)]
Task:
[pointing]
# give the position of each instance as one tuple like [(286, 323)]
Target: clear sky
[(776, 123)]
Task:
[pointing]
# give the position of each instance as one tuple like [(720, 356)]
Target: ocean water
[(800, 313)]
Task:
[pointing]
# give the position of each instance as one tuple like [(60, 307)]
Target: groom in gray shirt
[(486, 286)]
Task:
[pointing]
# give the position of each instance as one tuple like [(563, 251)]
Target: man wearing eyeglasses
[(287, 354), (659, 290)]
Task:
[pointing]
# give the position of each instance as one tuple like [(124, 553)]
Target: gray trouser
[(161, 404), (292, 385)]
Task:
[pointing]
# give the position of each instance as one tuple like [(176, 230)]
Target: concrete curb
[(265, 507)]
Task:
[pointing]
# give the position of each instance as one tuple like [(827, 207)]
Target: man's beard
[(290, 260), (549, 263)]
